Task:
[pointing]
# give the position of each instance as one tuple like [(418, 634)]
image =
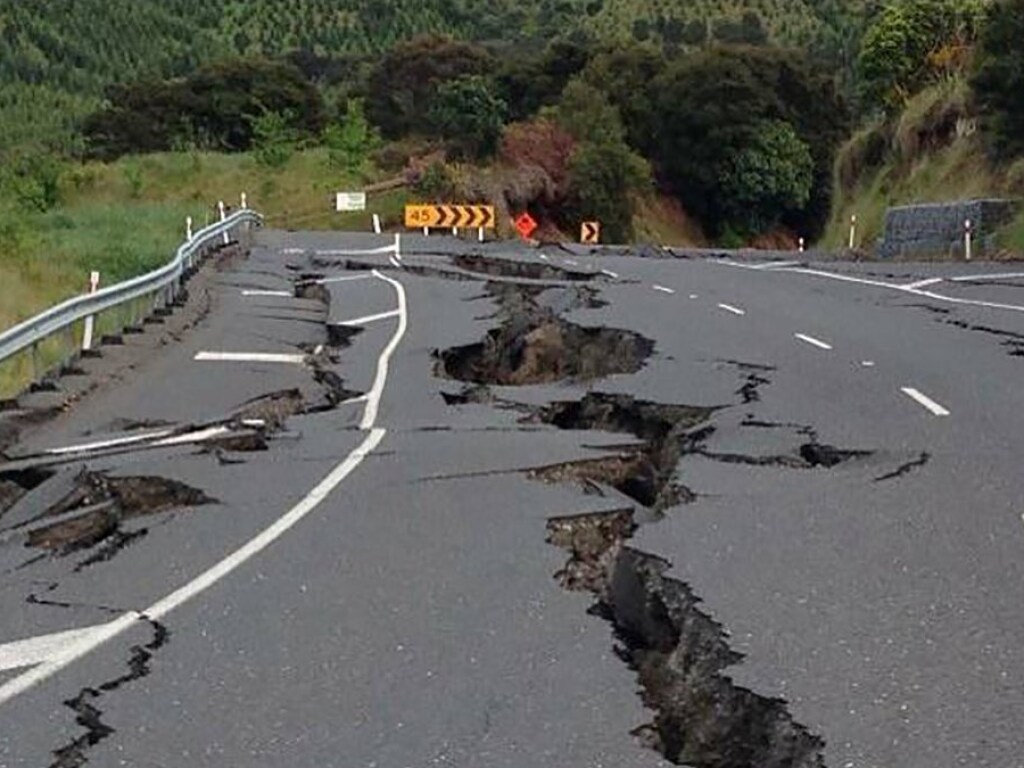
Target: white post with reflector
[(968, 239), (223, 217), (188, 229), (801, 245), (853, 231), (376, 224), (90, 321)]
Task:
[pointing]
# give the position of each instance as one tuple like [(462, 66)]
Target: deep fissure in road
[(519, 270), (534, 345), (679, 653), (644, 473)]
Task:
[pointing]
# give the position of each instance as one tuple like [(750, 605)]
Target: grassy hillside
[(918, 156)]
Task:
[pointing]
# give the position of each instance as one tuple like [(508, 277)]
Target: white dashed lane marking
[(813, 341), (925, 401), (663, 289), (732, 309)]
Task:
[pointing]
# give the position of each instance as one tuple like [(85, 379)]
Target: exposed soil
[(98, 505), (644, 473), (680, 655)]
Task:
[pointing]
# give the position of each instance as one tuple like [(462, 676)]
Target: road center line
[(734, 310), (813, 341), (926, 401), (609, 273), (74, 647), (367, 319), (663, 289), (572, 262), (249, 357), (346, 279)]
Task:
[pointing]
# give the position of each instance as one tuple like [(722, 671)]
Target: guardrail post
[(223, 216), (90, 321)]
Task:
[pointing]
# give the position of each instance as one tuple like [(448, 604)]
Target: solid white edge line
[(97, 636), (36, 650), (984, 277), (249, 357), (356, 252), (925, 401), (812, 341), (776, 265), (282, 294), (663, 289), (112, 443), (368, 318), (734, 310), (373, 397), (395, 262)]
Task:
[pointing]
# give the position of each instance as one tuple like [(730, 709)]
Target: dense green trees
[(216, 108), (712, 109), (469, 115), (999, 79)]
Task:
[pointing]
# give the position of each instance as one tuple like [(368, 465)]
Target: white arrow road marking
[(249, 357), (367, 319), (37, 650), (90, 639), (282, 294), (662, 288), (734, 310), (926, 401), (813, 341)]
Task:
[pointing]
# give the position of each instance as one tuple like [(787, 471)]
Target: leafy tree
[(351, 142), (588, 115), (401, 88), (999, 79), (771, 174), (528, 83), (35, 181), (604, 178), (469, 115), (895, 57), (711, 106), (625, 74), (274, 139)]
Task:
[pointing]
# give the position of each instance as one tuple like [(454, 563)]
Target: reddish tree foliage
[(540, 143)]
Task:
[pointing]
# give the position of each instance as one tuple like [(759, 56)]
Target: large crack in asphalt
[(679, 654), (535, 345), (645, 473), (88, 715)]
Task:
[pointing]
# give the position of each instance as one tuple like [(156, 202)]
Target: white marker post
[(426, 231), (90, 321), (223, 217), (853, 231), (188, 229), (480, 234), (455, 231), (398, 245), (245, 201), (376, 224), (967, 239), (801, 244)]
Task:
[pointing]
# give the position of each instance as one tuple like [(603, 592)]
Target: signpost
[(350, 201), (526, 225), (590, 232), (449, 216)]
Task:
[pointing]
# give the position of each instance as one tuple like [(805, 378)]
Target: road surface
[(502, 506)]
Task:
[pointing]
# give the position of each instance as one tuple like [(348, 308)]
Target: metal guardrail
[(167, 279)]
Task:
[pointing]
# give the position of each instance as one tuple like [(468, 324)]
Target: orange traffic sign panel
[(590, 232), (525, 225), (449, 216)]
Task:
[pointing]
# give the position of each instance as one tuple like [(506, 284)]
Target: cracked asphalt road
[(370, 583)]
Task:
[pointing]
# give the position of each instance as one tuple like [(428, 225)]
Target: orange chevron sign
[(590, 232), (448, 216)]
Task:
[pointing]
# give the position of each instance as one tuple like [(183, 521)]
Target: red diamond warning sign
[(525, 225)]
